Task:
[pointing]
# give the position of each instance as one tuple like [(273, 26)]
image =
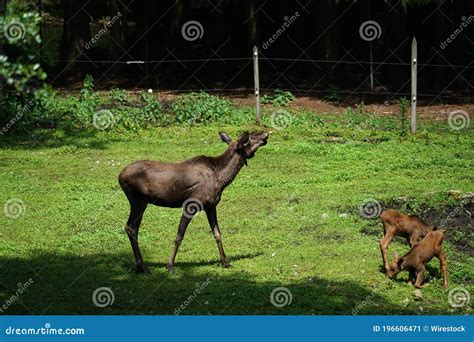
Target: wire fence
[(238, 65)]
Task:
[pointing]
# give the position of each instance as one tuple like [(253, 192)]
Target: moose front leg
[(212, 218), (384, 242), (420, 276), (183, 224)]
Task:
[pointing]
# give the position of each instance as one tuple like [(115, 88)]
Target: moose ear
[(243, 141), (225, 137)]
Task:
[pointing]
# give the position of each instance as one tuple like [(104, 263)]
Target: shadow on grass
[(58, 138), (64, 284), (191, 264)]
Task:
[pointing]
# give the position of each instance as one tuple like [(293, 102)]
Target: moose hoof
[(170, 268), (141, 268)]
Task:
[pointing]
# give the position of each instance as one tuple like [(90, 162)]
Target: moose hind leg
[(411, 276), (133, 224), (442, 263)]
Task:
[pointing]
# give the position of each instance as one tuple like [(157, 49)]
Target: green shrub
[(403, 110), (135, 118), (118, 96), (196, 108), (278, 98), (20, 34), (334, 94)]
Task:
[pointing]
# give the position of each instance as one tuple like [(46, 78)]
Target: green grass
[(70, 239)]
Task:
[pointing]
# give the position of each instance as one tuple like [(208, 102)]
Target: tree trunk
[(117, 15), (76, 33), (118, 28), (328, 46)]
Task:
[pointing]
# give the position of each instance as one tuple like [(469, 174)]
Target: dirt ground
[(438, 110), (424, 107)]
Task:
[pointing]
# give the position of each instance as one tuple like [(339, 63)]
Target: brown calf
[(410, 227), (418, 256)]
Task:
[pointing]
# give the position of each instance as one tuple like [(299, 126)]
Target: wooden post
[(257, 84), (413, 85), (371, 68)]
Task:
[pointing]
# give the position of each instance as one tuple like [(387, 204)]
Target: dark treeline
[(326, 30)]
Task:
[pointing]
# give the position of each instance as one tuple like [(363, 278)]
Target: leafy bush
[(196, 108), (333, 95), (403, 108), (118, 96), (20, 34), (278, 98), (135, 118)]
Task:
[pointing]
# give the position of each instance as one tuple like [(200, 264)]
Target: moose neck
[(228, 166)]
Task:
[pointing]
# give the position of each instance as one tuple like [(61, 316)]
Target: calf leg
[(442, 262), (411, 276), (183, 224), (384, 242), (420, 277), (133, 224), (212, 218)]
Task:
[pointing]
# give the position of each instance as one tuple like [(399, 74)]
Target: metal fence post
[(257, 84), (413, 85)]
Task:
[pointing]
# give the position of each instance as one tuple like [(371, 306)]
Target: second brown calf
[(418, 256), (395, 223)]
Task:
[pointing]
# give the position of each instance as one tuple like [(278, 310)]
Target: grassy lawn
[(290, 219)]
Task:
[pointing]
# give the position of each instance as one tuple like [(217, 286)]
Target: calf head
[(247, 144)]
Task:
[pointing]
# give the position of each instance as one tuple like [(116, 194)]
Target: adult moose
[(195, 184)]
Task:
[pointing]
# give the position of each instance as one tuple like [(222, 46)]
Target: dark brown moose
[(195, 184), (418, 256), (410, 227)]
